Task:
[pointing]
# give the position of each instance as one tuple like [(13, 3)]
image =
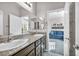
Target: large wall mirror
[(1, 22), (25, 24), (18, 25), (15, 25)]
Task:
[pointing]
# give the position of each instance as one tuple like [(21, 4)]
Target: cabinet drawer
[(38, 51), (32, 53), (24, 51), (43, 43)]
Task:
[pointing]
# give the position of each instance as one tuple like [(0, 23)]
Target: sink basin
[(13, 44), (38, 35)]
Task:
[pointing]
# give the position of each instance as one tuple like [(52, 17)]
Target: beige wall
[(43, 7)]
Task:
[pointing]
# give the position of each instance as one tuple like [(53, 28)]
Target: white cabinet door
[(1, 23)]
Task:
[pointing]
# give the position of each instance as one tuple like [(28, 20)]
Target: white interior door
[(72, 47), (77, 28), (66, 29), (72, 29)]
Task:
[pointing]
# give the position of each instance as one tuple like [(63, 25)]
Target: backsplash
[(3, 40), (6, 39)]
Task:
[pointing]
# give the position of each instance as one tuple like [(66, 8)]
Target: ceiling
[(44, 7)]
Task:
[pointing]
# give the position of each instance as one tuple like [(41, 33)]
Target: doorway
[(55, 31)]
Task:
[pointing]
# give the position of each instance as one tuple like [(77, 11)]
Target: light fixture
[(26, 17), (41, 18)]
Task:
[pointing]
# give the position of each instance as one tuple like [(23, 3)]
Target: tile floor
[(49, 53), (55, 49)]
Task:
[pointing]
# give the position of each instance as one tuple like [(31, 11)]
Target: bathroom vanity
[(34, 46)]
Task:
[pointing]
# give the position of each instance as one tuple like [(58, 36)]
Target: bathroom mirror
[(25, 24), (18, 25), (1, 22), (15, 25)]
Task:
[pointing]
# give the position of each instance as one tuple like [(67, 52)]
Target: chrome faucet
[(9, 39)]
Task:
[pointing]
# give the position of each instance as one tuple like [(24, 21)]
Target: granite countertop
[(32, 38)]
